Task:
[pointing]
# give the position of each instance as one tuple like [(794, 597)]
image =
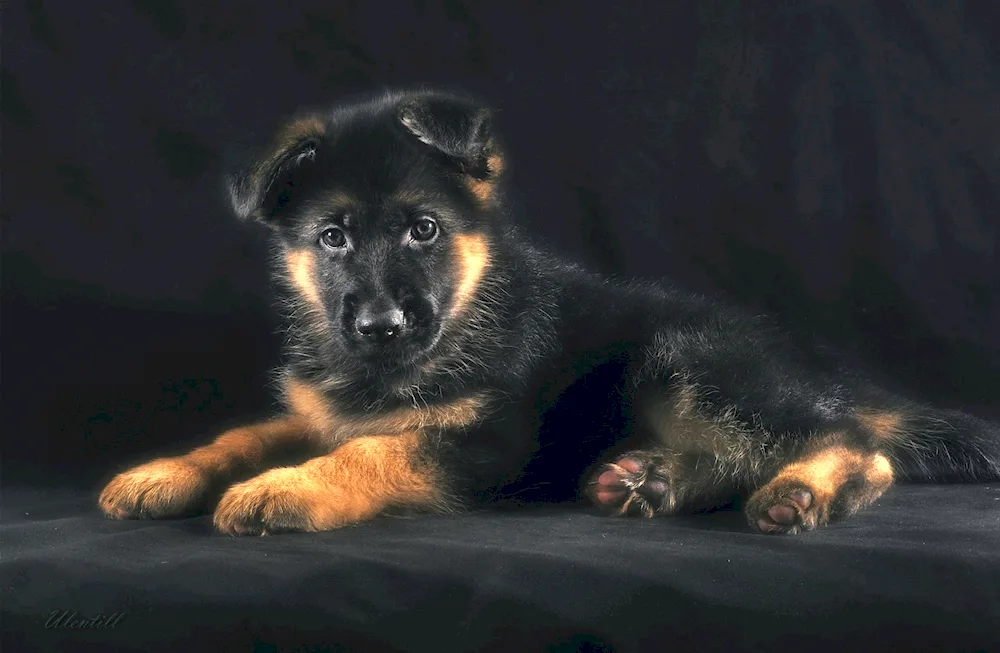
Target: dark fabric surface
[(919, 571)]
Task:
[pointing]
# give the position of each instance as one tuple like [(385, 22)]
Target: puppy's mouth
[(389, 344), (400, 350)]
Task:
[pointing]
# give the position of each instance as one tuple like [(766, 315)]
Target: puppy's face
[(383, 211)]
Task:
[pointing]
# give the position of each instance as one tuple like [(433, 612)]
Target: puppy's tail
[(931, 444)]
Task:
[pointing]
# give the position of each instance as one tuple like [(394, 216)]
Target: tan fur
[(309, 403), (359, 480), (879, 471), (249, 447), (301, 266), (885, 425), (372, 469), (485, 190), (321, 414), (841, 479), (825, 471), (457, 414), (472, 258), (162, 488), (170, 487), (494, 164)]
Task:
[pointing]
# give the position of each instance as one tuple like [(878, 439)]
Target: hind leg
[(722, 406), (830, 481)]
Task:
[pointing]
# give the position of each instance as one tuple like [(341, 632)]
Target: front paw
[(168, 487), (281, 500)]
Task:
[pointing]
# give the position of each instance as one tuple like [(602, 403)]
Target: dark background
[(835, 163)]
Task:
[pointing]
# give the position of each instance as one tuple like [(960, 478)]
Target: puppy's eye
[(423, 229), (333, 238)]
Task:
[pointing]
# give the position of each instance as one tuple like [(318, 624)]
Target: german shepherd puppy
[(437, 359)]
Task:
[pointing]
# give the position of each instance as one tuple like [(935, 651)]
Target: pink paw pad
[(610, 487), (782, 516)]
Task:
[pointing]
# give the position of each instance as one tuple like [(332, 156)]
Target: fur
[(437, 359)]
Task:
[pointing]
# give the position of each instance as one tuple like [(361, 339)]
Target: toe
[(802, 498), (610, 479), (782, 514), (654, 489), (767, 526), (610, 497), (630, 465)]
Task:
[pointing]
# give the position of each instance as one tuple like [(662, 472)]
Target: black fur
[(572, 363)]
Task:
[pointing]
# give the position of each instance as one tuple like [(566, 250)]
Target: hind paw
[(785, 509), (632, 484)]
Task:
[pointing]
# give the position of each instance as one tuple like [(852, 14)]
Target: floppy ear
[(264, 186), (457, 128)]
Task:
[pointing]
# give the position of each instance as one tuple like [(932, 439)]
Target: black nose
[(379, 326)]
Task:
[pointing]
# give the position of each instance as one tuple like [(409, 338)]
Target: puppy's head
[(384, 214)]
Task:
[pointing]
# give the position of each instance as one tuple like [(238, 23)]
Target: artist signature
[(73, 619)]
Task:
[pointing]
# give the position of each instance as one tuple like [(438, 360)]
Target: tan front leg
[(184, 485), (360, 479)]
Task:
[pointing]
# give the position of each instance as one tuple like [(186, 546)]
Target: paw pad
[(788, 513), (630, 485)]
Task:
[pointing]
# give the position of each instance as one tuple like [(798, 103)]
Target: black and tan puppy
[(437, 359)]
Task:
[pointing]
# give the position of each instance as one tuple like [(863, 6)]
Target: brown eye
[(333, 238), (423, 229)]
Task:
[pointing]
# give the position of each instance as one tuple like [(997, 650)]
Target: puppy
[(437, 359)]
